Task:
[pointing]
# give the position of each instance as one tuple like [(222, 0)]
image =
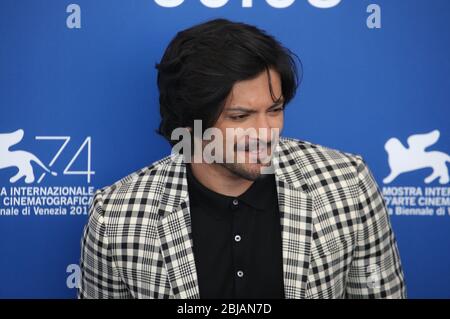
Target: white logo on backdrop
[(414, 157), (19, 159), (22, 159), (37, 200), (324, 4), (279, 4)]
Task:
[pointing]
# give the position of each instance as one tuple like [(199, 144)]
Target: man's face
[(251, 106)]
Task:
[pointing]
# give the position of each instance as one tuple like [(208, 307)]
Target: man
[(260, 216)]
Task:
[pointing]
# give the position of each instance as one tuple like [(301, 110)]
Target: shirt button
[(235, 202), (240, 273), (237, 238)]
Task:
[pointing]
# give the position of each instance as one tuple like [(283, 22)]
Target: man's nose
[(264, 128)]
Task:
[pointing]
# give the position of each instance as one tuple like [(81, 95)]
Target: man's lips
[(257, 153), (254, 149)]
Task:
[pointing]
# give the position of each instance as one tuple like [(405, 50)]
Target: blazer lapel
[(175, 234), (296, 210)]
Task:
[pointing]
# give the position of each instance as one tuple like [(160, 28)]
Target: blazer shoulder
[(317, 153), (321, 165), (143, 177)]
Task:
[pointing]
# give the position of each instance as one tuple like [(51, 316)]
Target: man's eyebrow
[(248, 110)]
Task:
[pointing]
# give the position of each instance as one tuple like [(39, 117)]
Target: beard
[(250, 166), (251, 172)]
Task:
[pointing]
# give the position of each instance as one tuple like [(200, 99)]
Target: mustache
[(256, 145)]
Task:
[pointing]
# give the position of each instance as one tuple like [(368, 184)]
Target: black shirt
[(237, 240)]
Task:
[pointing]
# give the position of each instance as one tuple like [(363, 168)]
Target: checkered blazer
[(337, 240)]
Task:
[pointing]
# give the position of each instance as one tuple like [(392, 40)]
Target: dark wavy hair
[(202, 63)]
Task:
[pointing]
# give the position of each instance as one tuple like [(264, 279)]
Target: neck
[(220, 180)]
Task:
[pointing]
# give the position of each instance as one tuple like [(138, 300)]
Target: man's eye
[(276, 110), (238, 117)]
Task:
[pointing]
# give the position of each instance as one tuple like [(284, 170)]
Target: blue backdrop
[(78, 92)]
